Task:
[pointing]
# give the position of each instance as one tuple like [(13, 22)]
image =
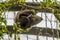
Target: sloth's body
[(27, 18)]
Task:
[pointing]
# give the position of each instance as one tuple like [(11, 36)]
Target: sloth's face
[(27, 19)]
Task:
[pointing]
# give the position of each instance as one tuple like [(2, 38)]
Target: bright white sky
[(10, 21)]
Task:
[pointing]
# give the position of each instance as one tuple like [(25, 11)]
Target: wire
[(46, 25)]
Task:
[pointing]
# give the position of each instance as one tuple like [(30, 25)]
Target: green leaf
[(22, 0), (10, 34), (1, 33), (14, 27), (58, 17), (4, 21)]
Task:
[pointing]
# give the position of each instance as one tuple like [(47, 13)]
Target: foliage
[(4, 6), (54, 6)]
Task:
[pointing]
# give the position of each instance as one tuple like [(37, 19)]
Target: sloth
[(26, 18)]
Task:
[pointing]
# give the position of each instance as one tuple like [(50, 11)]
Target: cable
[(46, 25)]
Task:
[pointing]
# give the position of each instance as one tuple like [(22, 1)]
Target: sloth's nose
[(36, 20)]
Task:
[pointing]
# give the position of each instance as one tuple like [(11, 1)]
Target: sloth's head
[(27, 18)]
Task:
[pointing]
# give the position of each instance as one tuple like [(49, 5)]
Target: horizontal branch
[(35, 6), (39, 31)]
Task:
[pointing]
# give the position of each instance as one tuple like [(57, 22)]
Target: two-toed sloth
[(26, 18)]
